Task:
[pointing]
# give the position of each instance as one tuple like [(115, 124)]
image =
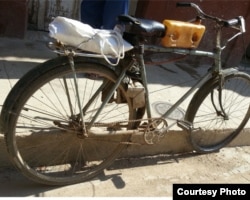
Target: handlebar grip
[(183, 4), (232, 22), (238, 23)]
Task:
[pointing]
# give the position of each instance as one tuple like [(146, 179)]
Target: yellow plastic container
[(182, 34)]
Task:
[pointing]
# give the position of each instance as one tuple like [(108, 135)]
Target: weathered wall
[(41, 12), (17, 15)]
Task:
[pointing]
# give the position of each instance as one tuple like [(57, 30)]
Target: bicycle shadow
[(144, 161), (19, 56), (13, 184), (179, 70), (172, 69)]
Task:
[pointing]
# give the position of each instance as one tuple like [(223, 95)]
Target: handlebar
[(236, 23)]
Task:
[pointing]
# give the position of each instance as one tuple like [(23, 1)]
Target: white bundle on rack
[(83, 36)]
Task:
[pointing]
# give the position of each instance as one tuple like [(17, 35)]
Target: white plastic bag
[(83, 36)]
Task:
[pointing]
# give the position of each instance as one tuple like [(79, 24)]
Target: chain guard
[(155, 131)]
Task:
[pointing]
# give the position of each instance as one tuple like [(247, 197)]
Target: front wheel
[(219, 113), (43, 130)]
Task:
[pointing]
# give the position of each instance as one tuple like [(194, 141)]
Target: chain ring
[(154, 132)]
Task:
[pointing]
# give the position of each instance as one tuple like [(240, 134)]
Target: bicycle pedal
[(130, 143), (186, 125)]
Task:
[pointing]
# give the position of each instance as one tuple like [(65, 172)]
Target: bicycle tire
[(42, 135), (211, 131)]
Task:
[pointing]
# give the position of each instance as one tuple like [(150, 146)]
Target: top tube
[(184, 51)]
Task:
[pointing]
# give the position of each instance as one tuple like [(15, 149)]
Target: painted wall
[(13, 16)]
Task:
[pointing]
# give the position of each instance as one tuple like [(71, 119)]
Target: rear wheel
[(43, 129), (216, 123)]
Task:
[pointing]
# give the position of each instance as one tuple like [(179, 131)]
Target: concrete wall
[(173, 143)]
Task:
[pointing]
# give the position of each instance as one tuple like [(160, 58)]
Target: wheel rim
[(54, 154), (212, 130)]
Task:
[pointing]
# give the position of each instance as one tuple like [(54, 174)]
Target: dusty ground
[(143, 177)]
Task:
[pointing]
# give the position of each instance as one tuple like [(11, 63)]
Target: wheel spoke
[(213, 130), (44, 140)]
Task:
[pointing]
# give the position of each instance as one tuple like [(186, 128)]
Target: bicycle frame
[(216, 70), (69, 118), (140, 58), (192, 89), (197, 85)]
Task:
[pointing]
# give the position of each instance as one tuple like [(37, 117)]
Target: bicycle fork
[(221, 111)]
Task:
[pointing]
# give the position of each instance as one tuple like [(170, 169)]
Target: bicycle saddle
[(143, 29)]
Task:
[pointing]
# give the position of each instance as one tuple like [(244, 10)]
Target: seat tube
[(140, 59)]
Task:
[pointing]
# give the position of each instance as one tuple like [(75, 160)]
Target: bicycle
[(62, 125)]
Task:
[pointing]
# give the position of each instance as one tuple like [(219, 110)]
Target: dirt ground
[(142, 177)]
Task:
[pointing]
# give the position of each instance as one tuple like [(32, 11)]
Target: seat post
[(140, 58)]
